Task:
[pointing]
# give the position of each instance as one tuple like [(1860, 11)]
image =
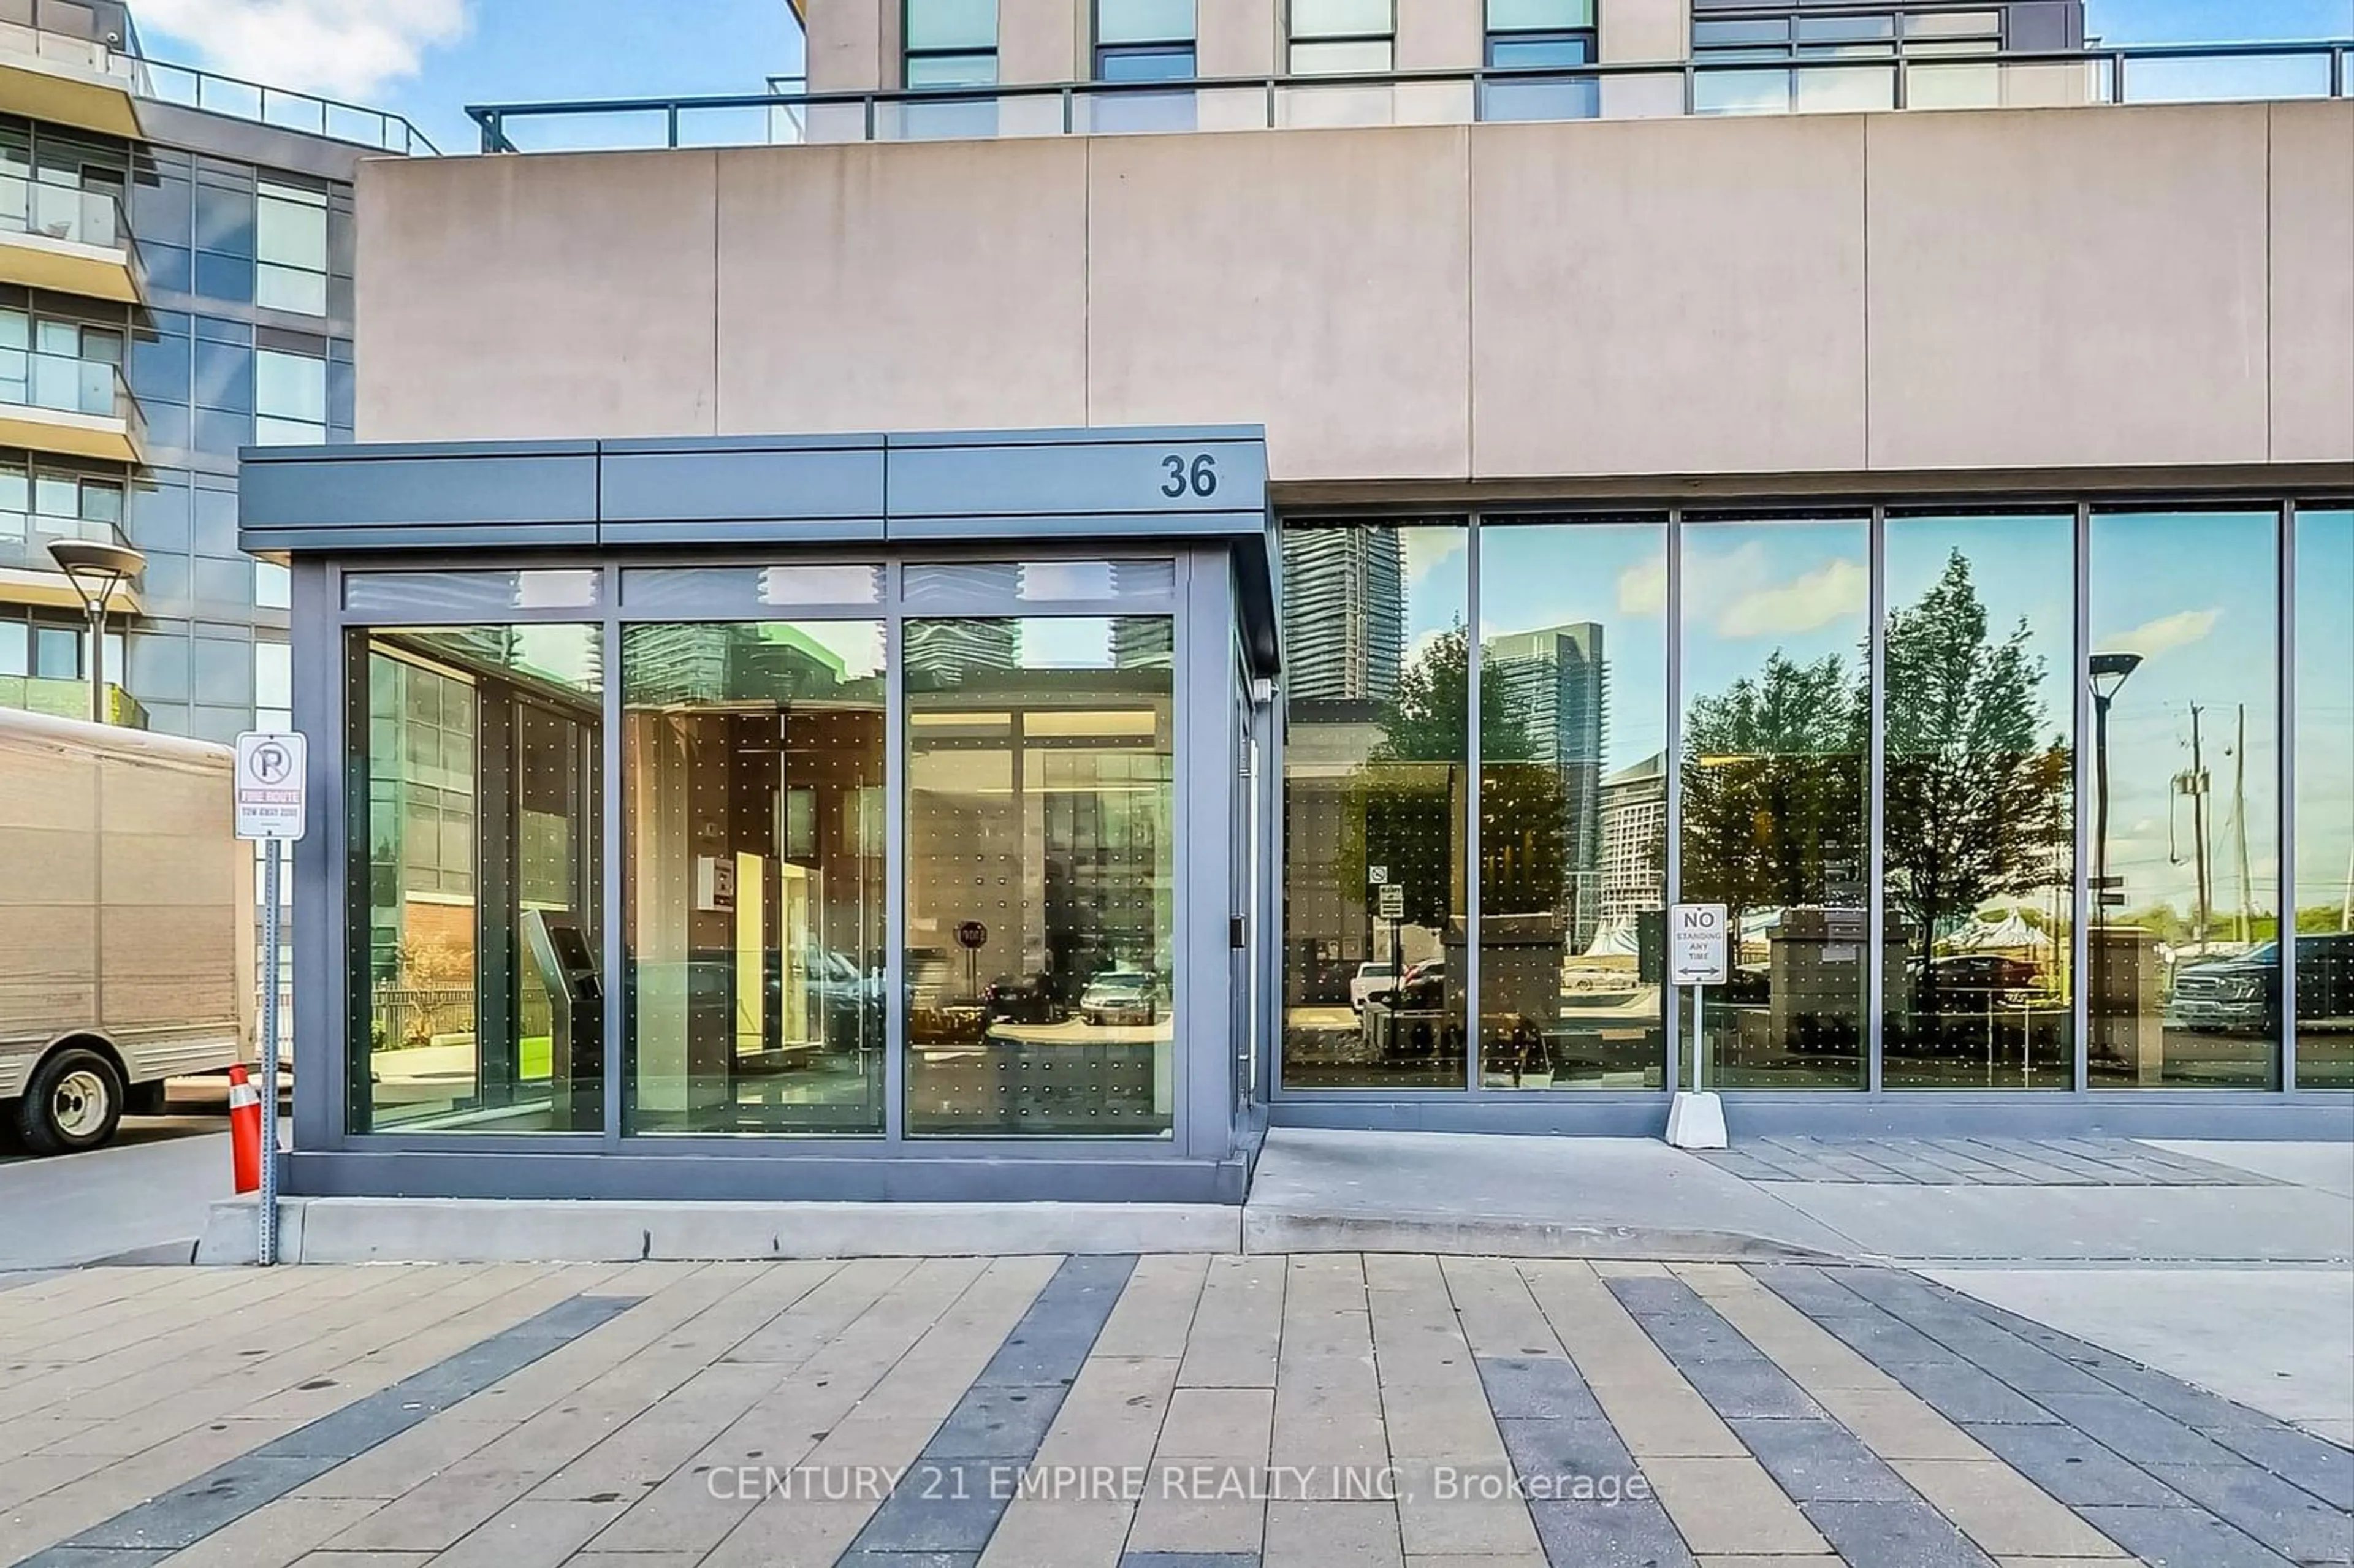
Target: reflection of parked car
[(1370, 980), (2241, 995), (1981, 976), (1010, 999), (1121, 996)]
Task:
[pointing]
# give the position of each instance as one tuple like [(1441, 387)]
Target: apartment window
[(225, 232), (1144, 40), (1526, 34), (289, 398), (1336, 38), (57, 654), (950, 43), (16, 648), (224, 385), (51, 187), (68, 365), (37, 506), (291, 241), (1841, 63), (272, 586)]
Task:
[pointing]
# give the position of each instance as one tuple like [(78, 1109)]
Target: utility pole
[(2196, 785), (2240, 817)]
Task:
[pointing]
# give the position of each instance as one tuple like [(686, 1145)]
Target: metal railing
[(66, 384), (307, 112), (92, 217), (1897, 79)]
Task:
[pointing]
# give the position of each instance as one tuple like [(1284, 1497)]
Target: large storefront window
[(2325, 798), (1776, 724), (1979, 781), (475, 884), (1572, 803), (753, 763), (2185, 846), (1040, 957), (1376, 803)]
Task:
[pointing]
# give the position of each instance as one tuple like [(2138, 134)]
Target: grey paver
[(1963, 1394), (1820, 1460), (1189, 1560), (1748, 1388), (2135, 1430), (1537, 1385), (2181, 1538), (998, 1423), (1545, 1447), (2073, 1467), (1631, 1534), (2290, 1521), (2321, 1466), (1910, 1533)]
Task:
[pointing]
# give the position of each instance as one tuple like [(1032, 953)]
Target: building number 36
[(1201, 476)]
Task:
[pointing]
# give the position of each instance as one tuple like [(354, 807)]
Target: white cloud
[(343, 48), (2152, 637), (1426, 547), (1835, 589), (1421, 645), (1643, 588)]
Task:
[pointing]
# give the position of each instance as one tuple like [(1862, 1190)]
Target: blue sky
[(429, 58)]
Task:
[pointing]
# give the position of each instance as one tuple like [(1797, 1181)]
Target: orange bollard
[(244, 1130)]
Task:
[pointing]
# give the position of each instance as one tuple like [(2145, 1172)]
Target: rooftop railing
[(1897, 81), (307, 112)]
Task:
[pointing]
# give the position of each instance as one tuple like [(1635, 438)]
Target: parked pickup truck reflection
[(2241, 995)]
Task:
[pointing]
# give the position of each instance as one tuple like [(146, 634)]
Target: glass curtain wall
[(1977, 790), (1777, 694), (753, 778), (2325, 798), (2185, 848), (474, 883), (1572, 802), (1041, 884), (1376, 799)]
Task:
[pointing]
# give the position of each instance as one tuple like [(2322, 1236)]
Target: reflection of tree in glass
[(1976, 789), (1773, 788), (1403, 815)]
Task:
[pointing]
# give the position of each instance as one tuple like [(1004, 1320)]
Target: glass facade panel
[(980, 584), (725, 590), (1341, 18), (753, 755), (1040, 882), (952, 24), (2325, 797), (1376, 796), (2185, 849), (1776, 721), (472, 593), (1979, 928), (1572, 803), (476, 991), (1143, 21)]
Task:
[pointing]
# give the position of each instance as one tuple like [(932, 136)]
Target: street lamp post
[(2107, 671), (96, 570)]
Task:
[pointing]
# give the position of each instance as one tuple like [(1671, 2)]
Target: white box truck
[(126, 925)]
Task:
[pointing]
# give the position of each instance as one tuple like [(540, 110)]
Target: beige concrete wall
[(843, 46), (1662, 297), (1642, 32), (2311, 336), (2068, 287), (539, 295), (2096, 288), (1217, 281)]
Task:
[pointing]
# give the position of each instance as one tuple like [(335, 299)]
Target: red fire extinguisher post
[(244, 1130)]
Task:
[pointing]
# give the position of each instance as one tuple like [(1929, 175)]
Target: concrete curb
[(497, 1230), (502, 1230)]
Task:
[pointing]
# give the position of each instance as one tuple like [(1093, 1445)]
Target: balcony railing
[(217, 94), (31, 379), (2142, 74), (92, 217)]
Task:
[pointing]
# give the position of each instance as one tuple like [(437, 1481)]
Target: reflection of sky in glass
[(1533, 577), (2325, 708), (565, 654), (2195, 595), (1437, 575), (2125, 22), (857, 643), (1751, 588), (2022, 571), (1063, 643)]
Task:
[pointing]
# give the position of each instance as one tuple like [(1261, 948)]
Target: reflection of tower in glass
[(712, 664), (944, 651), (1343, 613), (1635, 840), (1554, 684), (1141, 642)]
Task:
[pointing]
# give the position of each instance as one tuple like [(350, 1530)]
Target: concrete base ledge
[(1280, 1231), (512, 1229)]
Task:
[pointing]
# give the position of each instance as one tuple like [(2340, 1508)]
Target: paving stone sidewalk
[(1162, 1411)]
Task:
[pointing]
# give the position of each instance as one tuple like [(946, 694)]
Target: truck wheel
[(73, 1102)]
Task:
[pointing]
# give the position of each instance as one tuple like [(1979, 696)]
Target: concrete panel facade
[(903, 286), (1216, 281), (1663, 298), (2068, 287), (513, 296), (2312, 276), (2091, 288)]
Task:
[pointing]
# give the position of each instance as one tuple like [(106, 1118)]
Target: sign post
[(1699, 943), (271, 798)]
